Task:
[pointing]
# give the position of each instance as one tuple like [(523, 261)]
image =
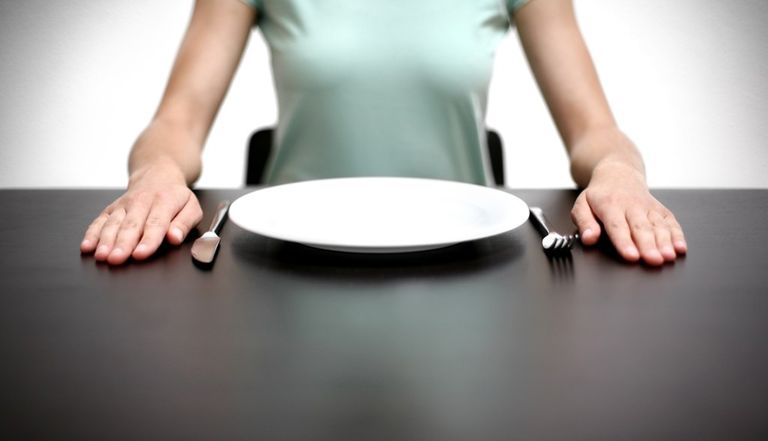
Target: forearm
[(569, 83), (209, 54)]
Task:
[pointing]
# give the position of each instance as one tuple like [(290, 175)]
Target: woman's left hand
[(617, 199), (603, 160)]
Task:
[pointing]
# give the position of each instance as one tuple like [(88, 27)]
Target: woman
[(383, 87)]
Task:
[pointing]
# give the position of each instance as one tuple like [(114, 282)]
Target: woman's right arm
[(166, 157)]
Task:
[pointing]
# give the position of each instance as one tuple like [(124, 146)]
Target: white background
[(686, 78)]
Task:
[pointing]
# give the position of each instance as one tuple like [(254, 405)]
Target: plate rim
[(503, 228)]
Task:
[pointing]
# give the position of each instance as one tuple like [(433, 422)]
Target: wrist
[(616, 169), (159, 170), (602, 152), (165, 149)]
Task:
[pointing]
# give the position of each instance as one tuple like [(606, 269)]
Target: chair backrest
[(260, 147)]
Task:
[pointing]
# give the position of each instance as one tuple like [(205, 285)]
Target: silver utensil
[(204, 248), (552, 240)]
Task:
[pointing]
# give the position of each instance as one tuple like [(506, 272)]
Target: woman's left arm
[(604, 161)]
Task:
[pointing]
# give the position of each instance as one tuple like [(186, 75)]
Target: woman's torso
[(383, 87)]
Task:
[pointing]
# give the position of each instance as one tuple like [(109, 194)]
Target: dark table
[(489, 340)]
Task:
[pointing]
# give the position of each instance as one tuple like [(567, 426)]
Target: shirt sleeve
[(512, 5)]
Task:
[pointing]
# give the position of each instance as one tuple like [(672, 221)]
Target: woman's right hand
[(157, 205)]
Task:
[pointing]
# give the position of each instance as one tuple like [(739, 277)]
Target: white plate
[(378, 215)]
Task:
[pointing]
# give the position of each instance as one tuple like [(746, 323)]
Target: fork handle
[(539, 221)]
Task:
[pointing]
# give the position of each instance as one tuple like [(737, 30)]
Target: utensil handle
[(218, 219), (539, 221)]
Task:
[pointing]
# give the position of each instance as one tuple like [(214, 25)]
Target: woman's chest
[(344, 40)]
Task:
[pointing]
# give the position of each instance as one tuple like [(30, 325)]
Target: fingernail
[(103, 249), (588, 232), (118, 252), (177, 233), (140, 248), (668, 251), (632, 252), (85, 243), (681, 244)]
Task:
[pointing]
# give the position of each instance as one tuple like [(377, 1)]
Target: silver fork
[(552, 240)]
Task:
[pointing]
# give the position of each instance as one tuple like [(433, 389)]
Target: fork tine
[(563, 243)]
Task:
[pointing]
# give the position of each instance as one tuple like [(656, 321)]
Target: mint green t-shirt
[(381, 87)]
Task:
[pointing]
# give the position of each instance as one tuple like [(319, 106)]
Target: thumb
[(189, 216), (582, 216)]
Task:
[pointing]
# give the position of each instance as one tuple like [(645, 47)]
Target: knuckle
[(112, 222), (602, 198), (152, 237), (155, 221), (99, 220), (614, 224), (164, 196), (128, 199), (131, 225), (640, 226), (671, 220)]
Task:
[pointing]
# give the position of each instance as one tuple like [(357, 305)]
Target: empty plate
[(378, 214)]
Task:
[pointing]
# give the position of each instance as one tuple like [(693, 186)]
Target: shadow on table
[(459, 259), (561, 267)]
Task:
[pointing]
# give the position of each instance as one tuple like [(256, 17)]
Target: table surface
[(480, 341)]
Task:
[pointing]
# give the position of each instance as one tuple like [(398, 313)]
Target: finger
[(109, 233), (155, 227), (615, 223), (130, 231), (91, 236), (663, 236), (582, 216), (676, 231), (643, 235), (188, 218)]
